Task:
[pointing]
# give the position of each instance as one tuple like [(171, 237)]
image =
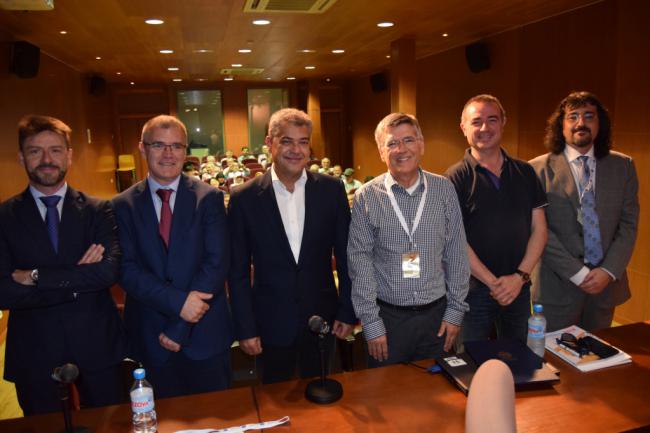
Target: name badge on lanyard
[(410, 259)]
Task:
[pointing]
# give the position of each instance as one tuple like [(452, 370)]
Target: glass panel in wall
[(202, 114), (261, 104)]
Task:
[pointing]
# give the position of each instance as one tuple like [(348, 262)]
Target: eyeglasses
[(574, 343), (158, 146), (406, 141), (587, 116)]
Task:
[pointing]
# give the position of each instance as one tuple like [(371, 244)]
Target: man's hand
[(194, 307), (452, 332), (595, 281), (507, 289), (22, 276), (93, 254), (168, 343), (342, 330), (378, 348), (251, 346)]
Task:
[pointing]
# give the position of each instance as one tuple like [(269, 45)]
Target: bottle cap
[(538, 308), (138, 373)]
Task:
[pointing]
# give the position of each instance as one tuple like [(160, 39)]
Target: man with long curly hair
[(592, 217)]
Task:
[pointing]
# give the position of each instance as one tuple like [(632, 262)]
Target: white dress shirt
[(292, 209), (41, 206), (157, 201)]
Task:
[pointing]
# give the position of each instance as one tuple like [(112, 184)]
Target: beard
[(582, 141), (46, 179)]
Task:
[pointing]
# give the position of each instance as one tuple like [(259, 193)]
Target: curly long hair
[(554, 139)]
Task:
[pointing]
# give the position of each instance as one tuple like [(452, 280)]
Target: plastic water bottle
[(537, 331), (142, 404)]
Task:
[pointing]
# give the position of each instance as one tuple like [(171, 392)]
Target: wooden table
[(403, 398)]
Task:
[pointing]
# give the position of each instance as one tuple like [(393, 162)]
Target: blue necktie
[(590, 226), (52, 219)]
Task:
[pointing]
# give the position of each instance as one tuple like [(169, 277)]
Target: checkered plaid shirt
[(377, 241)]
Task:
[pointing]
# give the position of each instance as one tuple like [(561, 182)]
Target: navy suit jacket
[(284, 294), (69, 316), (157, 281)]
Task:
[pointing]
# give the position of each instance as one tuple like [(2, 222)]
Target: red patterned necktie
[(165, 226)]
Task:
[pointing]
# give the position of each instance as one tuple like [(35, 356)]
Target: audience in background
[(351, 184)]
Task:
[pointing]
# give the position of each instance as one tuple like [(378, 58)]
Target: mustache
[(47, 166), (581, 128)]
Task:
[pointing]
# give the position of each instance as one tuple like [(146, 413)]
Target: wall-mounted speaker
[(478, 57), (25, 59), (96, 85), (378, 82)]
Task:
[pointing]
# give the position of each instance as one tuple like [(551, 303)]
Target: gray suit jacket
[(617, 207)]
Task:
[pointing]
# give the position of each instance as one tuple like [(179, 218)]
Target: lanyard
[(400, 215)]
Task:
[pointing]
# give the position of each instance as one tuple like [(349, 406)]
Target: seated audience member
[(190, 170), (59, 256), (210, 159), (350, 182), (229, 156), (285, 217), (245, 154), (173, 235), (221, 179), (264, 157), (337, 171), (314, 168), (368, 179), (326, 166)]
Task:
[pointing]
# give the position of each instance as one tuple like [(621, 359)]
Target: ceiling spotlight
[(166, 51), (388, 56), (228, 79), (132, 83), (236, 65), (177, 79), (118, 73), (291, 78), (98, 58), (310, 67), (154, 21), (172, 68), (261, 22), (63, 32), (245, 50), (201, 79), (385, 24), (444, 35), (268, 78), (338, 51), (202, 50), (306, 51)]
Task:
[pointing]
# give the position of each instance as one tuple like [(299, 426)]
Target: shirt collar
[(572, 154), (473, 163), (61, 191), (299, 183), (155, 186), (411, 189)]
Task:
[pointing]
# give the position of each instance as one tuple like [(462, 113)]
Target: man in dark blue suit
[(175, 259), (288, 223), (59, 256)]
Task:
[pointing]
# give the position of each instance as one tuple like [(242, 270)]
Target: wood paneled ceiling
[(115, 31)]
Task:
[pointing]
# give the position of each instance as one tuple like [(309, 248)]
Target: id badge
[(411, 265)]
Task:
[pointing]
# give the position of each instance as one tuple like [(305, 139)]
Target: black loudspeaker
[(96, 85), (478, 57), (25, 59), (378, 82)]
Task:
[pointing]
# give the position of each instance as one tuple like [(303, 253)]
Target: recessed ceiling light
[(195, 109), (236, 65), (118, 73), (444, 35), (388, 56), (177, 79), (310, 67), (63, 32), (228, 79), (338, 51), (385, 24), (328, 80), (261, 22), (268, 78), (166, 51), (201, 79), (132, 83), (202, 50), (154, 21), (306, 51), (291, 78), (245, 50), (172, 68), (98, 58)]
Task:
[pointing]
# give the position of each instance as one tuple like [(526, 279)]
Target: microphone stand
[(323, 390), (63, 384)]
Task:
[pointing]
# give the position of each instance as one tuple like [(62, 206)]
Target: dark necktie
[(590, 225), (165, 226), (52, 219)]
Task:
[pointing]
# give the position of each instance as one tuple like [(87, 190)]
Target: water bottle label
[(535, 331), (142, 400)]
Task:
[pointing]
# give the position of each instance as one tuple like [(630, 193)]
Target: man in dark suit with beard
[(288, 223), (59, 256)]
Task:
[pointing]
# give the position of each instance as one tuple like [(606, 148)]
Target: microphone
[(318, 325), (65, 376), (322, 390)]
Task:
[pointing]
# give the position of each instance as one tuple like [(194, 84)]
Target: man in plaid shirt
[(407, 252)]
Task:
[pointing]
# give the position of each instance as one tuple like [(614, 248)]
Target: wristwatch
[(524, 276), (34, 275)]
